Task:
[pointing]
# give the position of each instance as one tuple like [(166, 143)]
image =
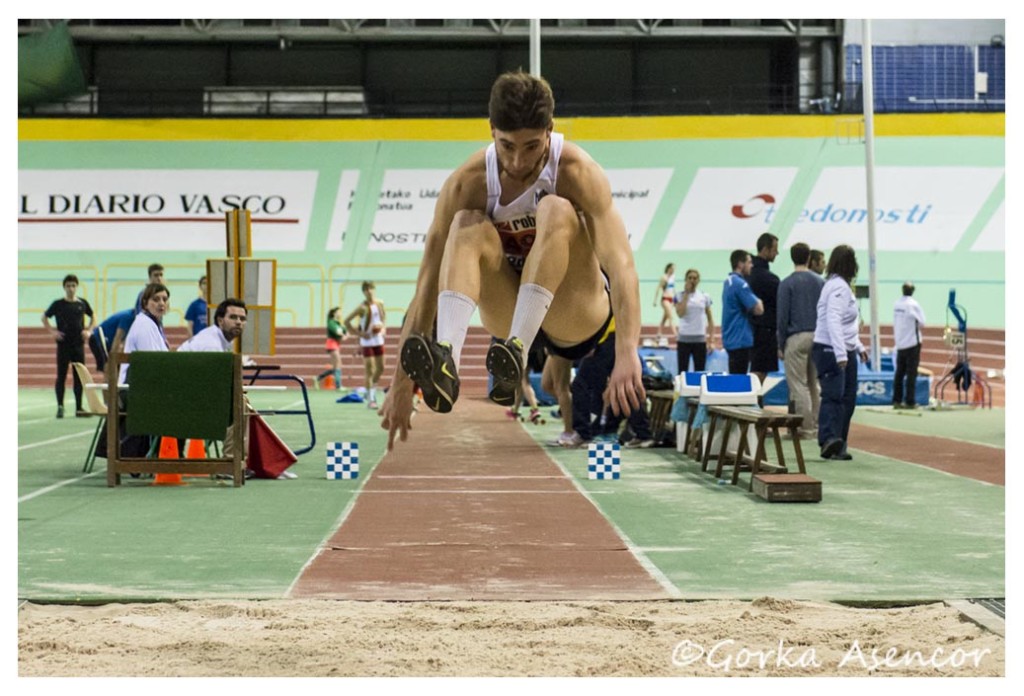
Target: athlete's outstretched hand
[(625, 392), (396, 411)]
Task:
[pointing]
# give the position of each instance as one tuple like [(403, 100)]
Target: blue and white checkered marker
[(604, 460), (342, 460)]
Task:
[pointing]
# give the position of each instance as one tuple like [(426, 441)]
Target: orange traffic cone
[(328, 382), (168, 450), (196, 449)]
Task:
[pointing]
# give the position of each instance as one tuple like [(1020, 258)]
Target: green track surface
[(85, 541), (886, 531)]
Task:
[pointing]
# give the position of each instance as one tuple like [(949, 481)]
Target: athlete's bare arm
[(465, 189), (584, 183), (356, 313)]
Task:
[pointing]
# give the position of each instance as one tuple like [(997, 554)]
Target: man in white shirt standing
[(908, 318)]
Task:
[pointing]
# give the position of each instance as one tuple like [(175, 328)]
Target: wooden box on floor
[(787, 488)]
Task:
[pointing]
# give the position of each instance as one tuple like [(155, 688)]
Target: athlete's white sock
[(532, 306), (454, 310), (373, 393)]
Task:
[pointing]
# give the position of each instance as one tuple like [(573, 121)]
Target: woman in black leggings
[(696, 325)]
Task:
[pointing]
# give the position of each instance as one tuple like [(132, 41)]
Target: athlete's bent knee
[(465, 230), (467, 218), (556, 214)]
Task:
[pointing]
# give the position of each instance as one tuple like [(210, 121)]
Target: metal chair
[(94, 405)]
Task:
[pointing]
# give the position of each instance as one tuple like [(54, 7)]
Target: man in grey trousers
[(797, 314)]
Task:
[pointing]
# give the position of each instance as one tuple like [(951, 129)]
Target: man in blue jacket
[(739, 303), (102, 341)]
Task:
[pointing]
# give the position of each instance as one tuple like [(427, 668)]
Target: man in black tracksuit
[(71, 335)]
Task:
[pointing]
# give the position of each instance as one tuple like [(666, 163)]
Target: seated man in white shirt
[(228, 324)]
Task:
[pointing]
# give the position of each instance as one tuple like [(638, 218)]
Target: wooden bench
[(661, 407), (693, 445), (763, 422)]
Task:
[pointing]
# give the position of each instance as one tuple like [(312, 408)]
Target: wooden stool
[(763, 422)]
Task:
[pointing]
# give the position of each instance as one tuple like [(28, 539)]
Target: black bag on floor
[(131, 445)]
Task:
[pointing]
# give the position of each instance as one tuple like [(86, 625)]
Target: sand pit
[(322, 638)]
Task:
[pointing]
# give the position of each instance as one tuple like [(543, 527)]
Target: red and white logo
[(754, 206), (728, 207)]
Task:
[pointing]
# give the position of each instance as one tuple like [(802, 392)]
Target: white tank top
[(517, 221), (369, 319)]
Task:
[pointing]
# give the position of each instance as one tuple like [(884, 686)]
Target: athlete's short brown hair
[(520, 101), (800, 254)]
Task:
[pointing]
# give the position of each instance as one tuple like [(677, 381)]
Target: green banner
[(48, 68)]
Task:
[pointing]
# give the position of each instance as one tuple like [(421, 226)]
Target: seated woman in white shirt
[(147, 332)]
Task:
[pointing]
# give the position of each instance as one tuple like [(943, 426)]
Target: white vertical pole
[(535, 47), (976, 73), (869, 166)]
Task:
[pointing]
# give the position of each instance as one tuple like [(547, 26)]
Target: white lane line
[(36, 420), (669, 549), (637, 552), (932, 469), (35, 407), (282, 408), (56, 439), (55, 486), (322, 546)]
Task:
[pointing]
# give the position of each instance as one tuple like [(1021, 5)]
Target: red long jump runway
[(978, 462), (470, 507)]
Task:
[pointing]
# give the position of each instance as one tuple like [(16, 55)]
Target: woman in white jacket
[(835, 352), (147, 331)]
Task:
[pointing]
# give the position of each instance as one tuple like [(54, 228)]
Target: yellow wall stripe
[(618, 128)]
